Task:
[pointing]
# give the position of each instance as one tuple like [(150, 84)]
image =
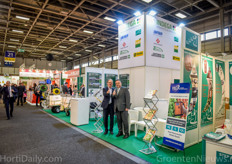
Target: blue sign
[(123, 37), (48, 81), (191, 41), (8, 64), (9, 56), (180, 88), (158, 32)]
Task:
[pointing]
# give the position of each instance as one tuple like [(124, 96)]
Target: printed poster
[(207, 91), (191, 41), (230, 76), (174, 135), (220, 89), (191, 75)]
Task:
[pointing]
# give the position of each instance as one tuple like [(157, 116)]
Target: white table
[(79, 111)]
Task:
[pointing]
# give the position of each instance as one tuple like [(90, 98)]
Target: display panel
[(94, 83), (110, 76), (124, 78), (207, 91), (230, 77)]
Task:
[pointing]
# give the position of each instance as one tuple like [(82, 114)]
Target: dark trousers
[(122, 119), (21, 99), (9, 103), (106, 112), (37, 99), (25, 99)]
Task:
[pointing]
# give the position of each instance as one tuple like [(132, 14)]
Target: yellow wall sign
[(176, 58), (140, 53), (9, 59)]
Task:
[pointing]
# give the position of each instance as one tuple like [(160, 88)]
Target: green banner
[(191, 75), (191, 41), (207, 91), (220, 89), (230, 76)]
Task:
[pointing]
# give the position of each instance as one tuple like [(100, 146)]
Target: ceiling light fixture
[(147, 1), (62, 46), (24, 18), (119, 22), (116, 38), (88, 50), (101, 45), (63, 60), (181, 25), (69, 58), (17, 31), (110, 19), (180, 15), (89, 32), (137, 13), (72, 40), (11, 46), (152, 13), (14, 40), (78, 54)]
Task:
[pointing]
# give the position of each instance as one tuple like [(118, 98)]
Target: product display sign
[(207, 91), (230, 78), (163, 42), (220, 89), (124, 78), (9, 56), (174, 135), (191, 41), (131, 43), (94, 83), (191, 75), (110, 76)]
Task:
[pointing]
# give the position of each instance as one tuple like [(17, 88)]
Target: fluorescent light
[(119, 22), (147, 1), (78, 54), (63, 60), (137, 13), (72, 40), (17, 31), (88, 50), (86, 31), (43, 58), (152, 13), (181, 25), (110, 19), (62, 46), (101, 45), (11, 46), (180, 15), (14, 40), (24, 18), (69, 58), (116, 38)]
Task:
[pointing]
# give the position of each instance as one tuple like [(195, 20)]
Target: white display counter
[(217, 152), (79, 111)]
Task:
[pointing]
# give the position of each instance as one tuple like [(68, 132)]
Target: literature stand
[(98, 116), (151, 101)]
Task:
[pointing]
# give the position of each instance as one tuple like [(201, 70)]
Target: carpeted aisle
[(132, 145), (31, 134)]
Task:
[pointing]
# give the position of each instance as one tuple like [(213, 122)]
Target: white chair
[(141, 123), (132, 118)]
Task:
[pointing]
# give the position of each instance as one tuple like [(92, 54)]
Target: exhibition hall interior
[(116, 81)]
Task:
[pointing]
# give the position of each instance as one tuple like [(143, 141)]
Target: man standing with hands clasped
[(108, 106), (121, 107)]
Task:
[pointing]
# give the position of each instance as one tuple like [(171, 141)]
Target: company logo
[(176, 48), (158, 55), (157, 40), (176, 58), (124, 57), (138, 32), (175, 88), (134, 22), (124, 36), (165, 25), (157, 33), (137, 54), (138, 43), (124, 52), (155, 48), (176, 39)]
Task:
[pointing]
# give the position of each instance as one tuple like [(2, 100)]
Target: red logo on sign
[(157, 40), (124, 44)]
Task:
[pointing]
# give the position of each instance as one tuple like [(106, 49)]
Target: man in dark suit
[(21, 90), (108, 106), (65, 88), (121, 107), (9, 95)]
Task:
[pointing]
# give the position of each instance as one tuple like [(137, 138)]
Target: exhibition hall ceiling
[(73, 29)]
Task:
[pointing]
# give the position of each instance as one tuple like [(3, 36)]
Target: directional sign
[(20, 50)]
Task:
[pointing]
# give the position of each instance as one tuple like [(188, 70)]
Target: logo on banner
[(124, 45), (176, 58), (138, 32), (138, 43), (176, 48), (124, 52), (158, 49), (191, 41), (176, 39), (157, 42), (134, 22), (137, 54), (158, 55), (155, 32), (165, 25), (124, 37)]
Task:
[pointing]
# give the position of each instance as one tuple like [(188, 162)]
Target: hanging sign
[(174, 135), (9, 56)]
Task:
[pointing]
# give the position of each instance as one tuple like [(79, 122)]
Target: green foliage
[(171, 109)]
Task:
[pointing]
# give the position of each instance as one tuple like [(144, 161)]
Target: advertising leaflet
[(174, 135)]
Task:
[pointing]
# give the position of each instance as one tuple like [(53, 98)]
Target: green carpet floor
[(134, 144)]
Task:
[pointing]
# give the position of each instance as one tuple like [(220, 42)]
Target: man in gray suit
[(121, 107)]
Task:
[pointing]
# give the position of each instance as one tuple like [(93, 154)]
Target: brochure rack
[(151, 101)]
